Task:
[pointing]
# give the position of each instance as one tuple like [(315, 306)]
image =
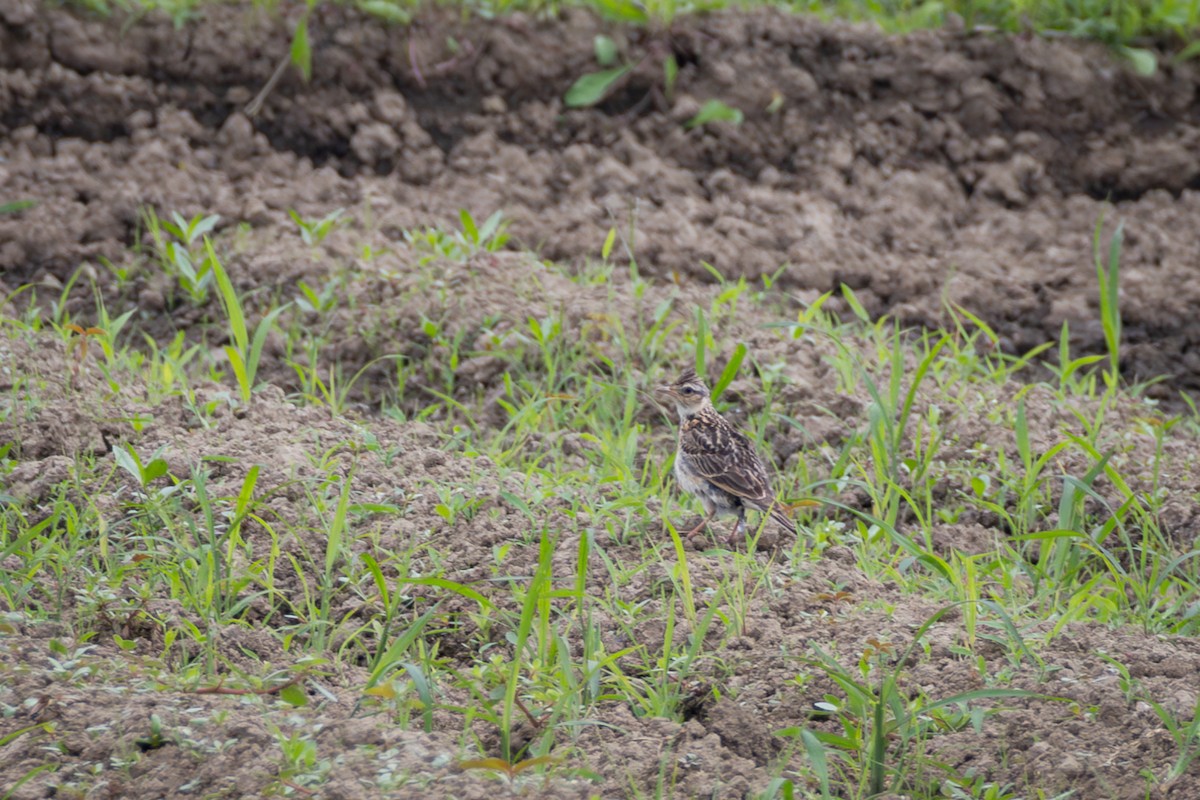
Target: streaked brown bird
[(716, 462)]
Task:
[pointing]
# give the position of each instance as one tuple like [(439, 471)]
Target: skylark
[(716, 462)]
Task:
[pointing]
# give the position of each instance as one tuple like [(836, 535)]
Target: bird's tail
[(783, 519)]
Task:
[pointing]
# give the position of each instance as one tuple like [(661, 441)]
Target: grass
[(517, 578)]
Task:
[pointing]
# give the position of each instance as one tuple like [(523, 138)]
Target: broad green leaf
[(293, 695), (127, 459), (623, 10), (1142, 60), (715, 111), (386, 690), (384, 9), (593, 87), (606, 50), (155, 469)]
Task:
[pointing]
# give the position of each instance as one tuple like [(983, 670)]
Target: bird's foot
[(701, 525)]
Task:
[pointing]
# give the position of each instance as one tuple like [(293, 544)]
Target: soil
[(942, 167)]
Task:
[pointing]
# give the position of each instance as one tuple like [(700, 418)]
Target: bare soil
[(940, 167)]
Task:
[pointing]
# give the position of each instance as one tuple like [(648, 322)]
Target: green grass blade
[(260, 339), (451, 586), (730, 371), (229, 299), (390, 658), (337, 530), (818, 759), (239, 371)]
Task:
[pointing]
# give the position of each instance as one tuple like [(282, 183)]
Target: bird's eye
[(687, 390)]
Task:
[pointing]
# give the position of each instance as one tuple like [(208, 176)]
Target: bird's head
[(689, 394)]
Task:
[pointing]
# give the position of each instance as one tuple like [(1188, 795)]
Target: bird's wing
[(722, 455)]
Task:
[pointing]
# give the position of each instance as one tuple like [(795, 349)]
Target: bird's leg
[(738, 527), (700, 527)]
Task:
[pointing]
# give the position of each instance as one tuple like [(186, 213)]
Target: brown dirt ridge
[(942, 166)]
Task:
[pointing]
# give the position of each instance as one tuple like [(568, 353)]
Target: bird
[(716, 462)]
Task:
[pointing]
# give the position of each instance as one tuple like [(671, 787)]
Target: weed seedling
[(176, 241), (313, 232), (79, 347)]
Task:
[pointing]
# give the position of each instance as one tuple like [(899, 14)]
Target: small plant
[(16, 206), (79, 346), (594, 87), (1108, 275), (165, 369), (300, 763), (313, 232), (1185, 733), (154, 739), (1073, 379), (179, 245), (880, 723), (460, 245), (244, 353), (715, 111), (978, 788), (67, 664), (123, 273), (128, 460), (508, 769), (319, 301)]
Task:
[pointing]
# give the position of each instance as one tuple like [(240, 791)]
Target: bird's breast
[(687, 479)]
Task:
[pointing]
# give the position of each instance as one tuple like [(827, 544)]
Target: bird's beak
[(665, 389)]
